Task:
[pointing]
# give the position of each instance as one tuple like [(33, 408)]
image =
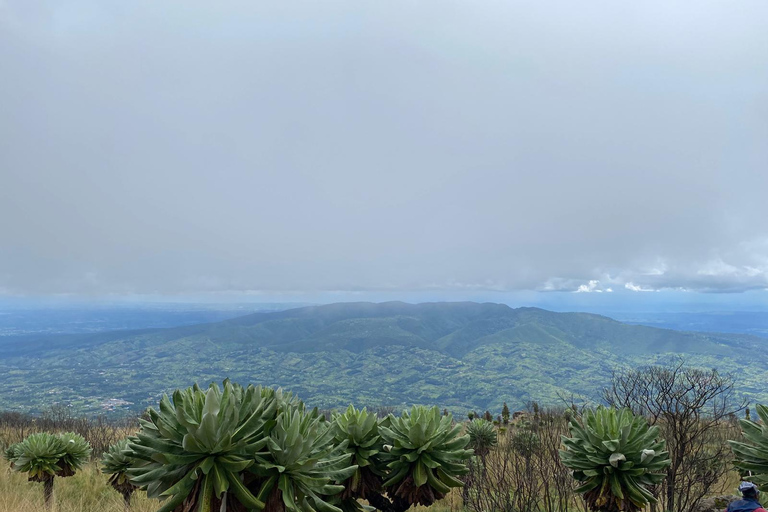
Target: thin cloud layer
[(193, 147)]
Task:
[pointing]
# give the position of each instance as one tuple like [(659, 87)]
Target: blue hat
[(745, 487)]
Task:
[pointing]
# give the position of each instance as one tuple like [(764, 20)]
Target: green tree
[(535, 407)]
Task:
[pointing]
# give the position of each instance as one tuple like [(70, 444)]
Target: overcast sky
[(384, 146)]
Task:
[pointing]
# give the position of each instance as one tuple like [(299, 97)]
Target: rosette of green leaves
[(43, 456), (751, 456), (77, 452), (115, 462), (194, 450), (302, 464), (615, 456), (39, 456), (482, 436), (426, 454), (11, 453), (360, 430)]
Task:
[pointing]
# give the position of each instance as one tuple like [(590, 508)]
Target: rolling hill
[(456, 355)]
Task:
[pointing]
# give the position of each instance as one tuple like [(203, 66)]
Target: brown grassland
[(88, 491)]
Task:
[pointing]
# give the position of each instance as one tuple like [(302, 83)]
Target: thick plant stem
[(380, 503), (384, 505), (127, 499), (48, 492)]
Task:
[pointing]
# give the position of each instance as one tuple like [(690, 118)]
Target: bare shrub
[(524, 472), (99, 431)]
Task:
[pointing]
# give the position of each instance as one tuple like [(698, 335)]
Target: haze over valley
[(460, 356)]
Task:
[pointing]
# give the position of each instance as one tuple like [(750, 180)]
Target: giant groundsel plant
[(193, 451), (616, 457), (302, 465), (44, 456), (359, 429), (425, 453), (115, 462), (751, 456), (482, 436), (238, 449), (241, 449), (11, 453)]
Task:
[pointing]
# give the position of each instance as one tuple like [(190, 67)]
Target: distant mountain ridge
[(457, 355)]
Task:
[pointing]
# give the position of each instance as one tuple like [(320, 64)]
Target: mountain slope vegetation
[(457, 355)]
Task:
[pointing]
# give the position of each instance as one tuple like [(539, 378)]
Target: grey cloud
[(153, 147)]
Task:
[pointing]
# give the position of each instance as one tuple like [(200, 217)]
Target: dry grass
[(451, 503), (87, 491)]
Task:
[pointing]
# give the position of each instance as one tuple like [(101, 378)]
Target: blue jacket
[(746, 505)]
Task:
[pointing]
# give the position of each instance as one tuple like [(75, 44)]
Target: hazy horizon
[(622, 302)]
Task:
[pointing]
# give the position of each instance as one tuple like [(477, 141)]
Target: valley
[(460, 356)]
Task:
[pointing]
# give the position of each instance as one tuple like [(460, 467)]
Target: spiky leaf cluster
[(426, 455), (240, 448), (482, 436), (302, 462), (12, 453), (45, 455), (615, 456), (77, 452), (359, 429), (38, 456), (751, 456), (194, 449), (115, 462)]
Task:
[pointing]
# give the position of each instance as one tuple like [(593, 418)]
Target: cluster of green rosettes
[(250, 448), (44, 456)]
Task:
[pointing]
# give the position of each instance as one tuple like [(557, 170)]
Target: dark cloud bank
[(187, 147)]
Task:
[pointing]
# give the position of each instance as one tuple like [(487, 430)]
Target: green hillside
[(456, 355)]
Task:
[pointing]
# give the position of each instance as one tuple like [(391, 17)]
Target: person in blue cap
[(748, 501)]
